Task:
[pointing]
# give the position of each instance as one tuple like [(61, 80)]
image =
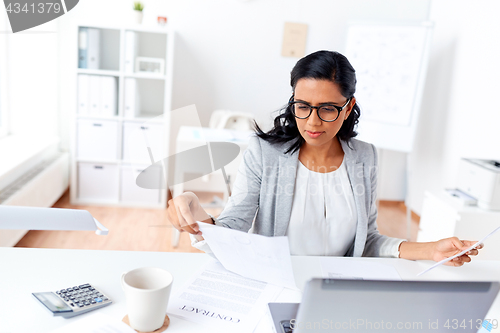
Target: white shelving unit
[(112, 132)]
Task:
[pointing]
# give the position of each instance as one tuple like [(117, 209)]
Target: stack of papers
[(232, 294), (223, 300), (250, 255)]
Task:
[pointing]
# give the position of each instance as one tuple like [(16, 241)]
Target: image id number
[(47, 7), (455, 324)]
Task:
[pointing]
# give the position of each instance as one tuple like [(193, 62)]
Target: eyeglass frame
[(339, 109)]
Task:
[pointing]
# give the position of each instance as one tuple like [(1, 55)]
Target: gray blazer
[(261, 200)]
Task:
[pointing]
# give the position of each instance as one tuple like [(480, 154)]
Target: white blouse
[(323, 219)]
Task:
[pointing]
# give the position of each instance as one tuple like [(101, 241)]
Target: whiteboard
[(390, 63)]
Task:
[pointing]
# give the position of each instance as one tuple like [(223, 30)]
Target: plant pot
[(138, 16)]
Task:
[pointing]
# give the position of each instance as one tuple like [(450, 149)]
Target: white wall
[(459, 116)]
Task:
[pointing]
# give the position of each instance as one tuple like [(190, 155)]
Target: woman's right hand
[(184, 210)]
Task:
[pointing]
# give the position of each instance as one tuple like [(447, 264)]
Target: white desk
[(23, 271)]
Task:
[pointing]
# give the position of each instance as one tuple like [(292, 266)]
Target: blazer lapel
[(285, 188), (355, 171)]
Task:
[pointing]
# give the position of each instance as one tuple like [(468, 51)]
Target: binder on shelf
[(83, 95), (108, 98), (94, 95), (82, 47), (93, 49), (130, 50), (132, 101)]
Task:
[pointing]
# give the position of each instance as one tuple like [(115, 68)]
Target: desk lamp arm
[(102, 230)]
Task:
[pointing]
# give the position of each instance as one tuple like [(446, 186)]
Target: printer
[(481, 180)]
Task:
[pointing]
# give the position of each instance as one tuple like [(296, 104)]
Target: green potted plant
[(138, 7)]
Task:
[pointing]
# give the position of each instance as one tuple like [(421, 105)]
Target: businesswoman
[(309, 179)]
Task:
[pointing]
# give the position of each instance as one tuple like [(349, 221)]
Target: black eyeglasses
[(326, 112)]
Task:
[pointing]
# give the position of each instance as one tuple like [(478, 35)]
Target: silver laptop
[(387, 306)]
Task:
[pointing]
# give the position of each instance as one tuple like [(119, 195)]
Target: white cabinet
[(120, 115), (97, 139), (138, 138), (132, 193), (98, 181), (443, 216)]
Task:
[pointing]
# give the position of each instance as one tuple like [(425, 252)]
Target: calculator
[(73, 301)]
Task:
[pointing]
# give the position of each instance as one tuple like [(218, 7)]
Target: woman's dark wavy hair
[(320, 65)]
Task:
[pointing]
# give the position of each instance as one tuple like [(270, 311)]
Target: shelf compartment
[(143, 44), (98, 48), (97, 96), (143, 98), (98, 182), (137, 137), (133, 194), (97, 139)]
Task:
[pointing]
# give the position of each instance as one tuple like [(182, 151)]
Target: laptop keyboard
[(286, 326)]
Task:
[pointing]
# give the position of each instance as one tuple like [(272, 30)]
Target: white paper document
[(253, 256), (459, 254), (222, 300), (96, 323), (337, 268)]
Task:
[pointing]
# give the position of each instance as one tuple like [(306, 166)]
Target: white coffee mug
[(147, 290)]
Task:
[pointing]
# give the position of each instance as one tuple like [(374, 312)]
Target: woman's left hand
[(448, 247)]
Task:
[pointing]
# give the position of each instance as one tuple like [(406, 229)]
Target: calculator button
[(98, 300), (71, 298), (80, 305), (86, 303), (84, 285), (93, 302), (105, 298), (75, 288)]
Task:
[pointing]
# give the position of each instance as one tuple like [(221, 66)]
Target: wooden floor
[(139, 229)]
